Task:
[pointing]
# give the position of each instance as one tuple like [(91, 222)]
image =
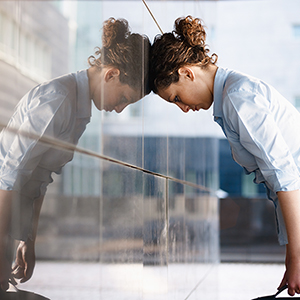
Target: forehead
[(131, 94), (168, 92)]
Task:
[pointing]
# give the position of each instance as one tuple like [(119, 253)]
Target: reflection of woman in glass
[(261, 126), (61, 109)]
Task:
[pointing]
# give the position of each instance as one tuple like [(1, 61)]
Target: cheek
[(109, 96)]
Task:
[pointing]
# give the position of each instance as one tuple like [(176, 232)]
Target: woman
[(60, 109), (261, 126)]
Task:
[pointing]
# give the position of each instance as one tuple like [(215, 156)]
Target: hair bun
[(191, 31), (114, 32)]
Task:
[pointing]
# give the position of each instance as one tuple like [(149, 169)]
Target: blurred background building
[(33, 48)]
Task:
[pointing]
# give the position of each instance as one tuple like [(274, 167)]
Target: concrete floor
[(226, 281)]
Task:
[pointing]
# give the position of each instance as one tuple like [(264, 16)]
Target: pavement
[(91, 281)]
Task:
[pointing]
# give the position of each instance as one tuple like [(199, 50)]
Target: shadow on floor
[(21, 295)]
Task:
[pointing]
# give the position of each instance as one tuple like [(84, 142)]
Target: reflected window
[(136, 109), (13, 36), (211, 32), (1, 29), (296, 30), (249, 188), (81, 177), (190, 176), (297, 102), (24, 50)]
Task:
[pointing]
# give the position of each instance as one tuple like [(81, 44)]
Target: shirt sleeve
[(20, 153), (249, 116)]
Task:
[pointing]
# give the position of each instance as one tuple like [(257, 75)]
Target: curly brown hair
[(185, 45), (128, 52)]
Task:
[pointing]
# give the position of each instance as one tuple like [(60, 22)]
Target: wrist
[(31, 236), (292, 256), (29, 243)]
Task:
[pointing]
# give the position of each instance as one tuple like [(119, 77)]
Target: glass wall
[(131, 212), (129, 209)]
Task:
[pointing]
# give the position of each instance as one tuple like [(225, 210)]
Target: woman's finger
[(291, 291), (283, 281), (18, 272), (29, 267)]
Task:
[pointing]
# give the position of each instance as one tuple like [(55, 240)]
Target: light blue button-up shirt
[(263, 130), (60, 109)]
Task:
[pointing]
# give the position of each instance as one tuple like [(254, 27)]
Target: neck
[(95, 79), (210, 77)]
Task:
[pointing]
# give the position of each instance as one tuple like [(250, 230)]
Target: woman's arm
[(290, 207), (25, 254)]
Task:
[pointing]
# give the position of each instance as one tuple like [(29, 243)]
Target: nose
[(119, 108), (185, 108)]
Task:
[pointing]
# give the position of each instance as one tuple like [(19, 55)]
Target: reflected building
[(33, 49)]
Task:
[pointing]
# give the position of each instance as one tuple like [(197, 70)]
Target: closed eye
[(176, 99)]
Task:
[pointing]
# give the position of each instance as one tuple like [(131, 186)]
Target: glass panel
[(155, 255), (121, 248), (193, 242), (115, 223)]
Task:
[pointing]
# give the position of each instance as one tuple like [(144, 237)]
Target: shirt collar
[(219, 83), (84, 103)]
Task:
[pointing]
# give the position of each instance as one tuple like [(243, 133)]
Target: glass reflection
[(105, 230), (192, 242), (52, 117), (155, 221)]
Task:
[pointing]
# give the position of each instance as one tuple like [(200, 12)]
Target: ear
[(187, 73), (111, 73)]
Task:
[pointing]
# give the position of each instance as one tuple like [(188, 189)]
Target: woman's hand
[(25, 261), (25, 255), (292, 275), (290, 206)]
